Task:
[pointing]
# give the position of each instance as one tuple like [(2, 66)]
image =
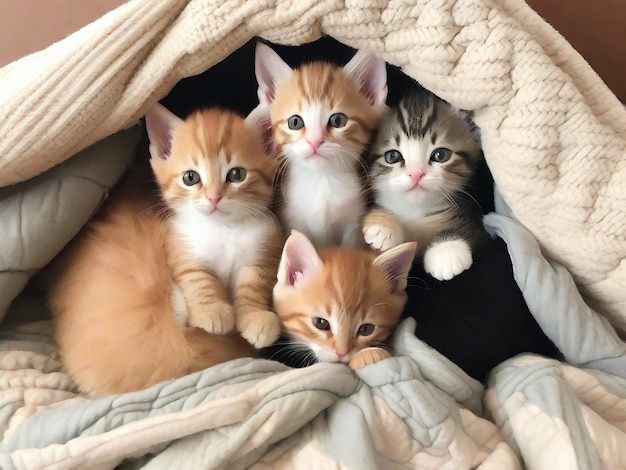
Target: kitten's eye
[(338, 120), (393, 156), (236, 175), (295, 122), (321, 323), (365, 329), (440, 155), (191, 177)]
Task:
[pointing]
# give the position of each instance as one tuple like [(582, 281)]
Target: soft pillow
[(40, 215)]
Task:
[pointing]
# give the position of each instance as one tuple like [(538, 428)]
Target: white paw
[(260, 328), (218, 319), (381, 238), (447, 259)]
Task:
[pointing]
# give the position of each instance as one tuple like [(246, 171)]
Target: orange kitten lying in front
[(121, 284), (339, 301)]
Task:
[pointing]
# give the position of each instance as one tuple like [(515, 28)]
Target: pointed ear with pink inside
[(260, 119), (370, 75), (270, 72), (160, 124), (299, 260), (396, 264)]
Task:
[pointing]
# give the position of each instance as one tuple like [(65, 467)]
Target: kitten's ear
[(370, 74), (260, 119), (160, 124), (396, 264), (270, 71), (299, 260)]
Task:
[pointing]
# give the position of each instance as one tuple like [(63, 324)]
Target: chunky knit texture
[(554, 135)]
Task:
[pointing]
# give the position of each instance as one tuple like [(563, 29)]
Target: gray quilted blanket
[(414, 410)]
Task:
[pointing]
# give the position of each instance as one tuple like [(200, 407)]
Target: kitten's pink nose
[(315, 144), (341, 354), (415, 175), (214, 200)]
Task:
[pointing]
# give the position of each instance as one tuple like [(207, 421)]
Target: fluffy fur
[(113, 290), (322, 120), (424, 157), (335, 302), (225, 242)]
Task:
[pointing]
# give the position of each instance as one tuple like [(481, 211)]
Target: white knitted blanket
[(554, 136)]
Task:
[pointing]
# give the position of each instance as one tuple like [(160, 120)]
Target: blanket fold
[(414, 410), (42, 214)]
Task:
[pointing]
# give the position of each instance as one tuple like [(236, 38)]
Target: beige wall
[(27, 26), (596, 28)]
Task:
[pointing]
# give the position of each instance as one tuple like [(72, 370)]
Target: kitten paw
[(447, 259), (218, 319), (260, 328), (380, 237), (368, 356)]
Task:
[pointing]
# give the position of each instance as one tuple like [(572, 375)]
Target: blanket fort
[(554, 138)]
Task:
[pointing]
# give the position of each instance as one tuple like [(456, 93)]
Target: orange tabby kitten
[(323, 118), (340, 301), (225, 242), (113, 297)]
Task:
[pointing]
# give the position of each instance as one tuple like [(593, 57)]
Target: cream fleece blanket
[(554, 136)]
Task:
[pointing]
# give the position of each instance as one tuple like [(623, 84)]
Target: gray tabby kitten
[(425, 154)]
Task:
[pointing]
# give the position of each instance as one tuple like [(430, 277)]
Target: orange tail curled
[(110, 296)]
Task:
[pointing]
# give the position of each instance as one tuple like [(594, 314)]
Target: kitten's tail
[(209, 349), (119, 347), (111, 299)]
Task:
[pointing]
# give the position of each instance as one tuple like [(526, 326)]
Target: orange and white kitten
[(112, 289), (224, 242), (323, 118), (338, 301)]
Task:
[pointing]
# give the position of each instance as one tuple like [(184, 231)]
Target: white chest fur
[(420, 221), (223, 248), (326, 206), (423, 228)]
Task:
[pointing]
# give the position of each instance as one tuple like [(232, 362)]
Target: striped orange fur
[(329, 87), (115, 292), (338, 301), (322, 119), (110, 295), (223, 288)]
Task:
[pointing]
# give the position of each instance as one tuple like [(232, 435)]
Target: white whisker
[(473, 199)]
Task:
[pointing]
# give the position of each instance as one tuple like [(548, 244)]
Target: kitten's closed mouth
[(333, 358), (206, 210), (417, 187)]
